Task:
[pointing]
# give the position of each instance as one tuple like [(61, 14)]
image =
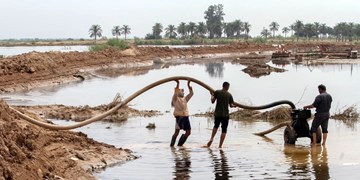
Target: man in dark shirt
[(223, 100), (322, 104)]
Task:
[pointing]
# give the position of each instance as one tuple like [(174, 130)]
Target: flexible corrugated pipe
[(133, 96)]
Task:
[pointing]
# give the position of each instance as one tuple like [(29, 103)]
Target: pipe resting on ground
[(133, 96), (263, 133)]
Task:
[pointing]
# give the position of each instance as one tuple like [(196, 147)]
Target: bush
[(98, 47), (120, 44), (190, 41), (175, 42), (259, 40), (138, 41)]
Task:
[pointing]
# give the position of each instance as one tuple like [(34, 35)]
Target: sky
[(51, 19)]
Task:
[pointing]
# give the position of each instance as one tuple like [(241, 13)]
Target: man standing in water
[(223, 100), (322, 104), (181, 113)]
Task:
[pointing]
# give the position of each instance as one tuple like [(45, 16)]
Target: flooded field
[(244, 156), (16, 50)]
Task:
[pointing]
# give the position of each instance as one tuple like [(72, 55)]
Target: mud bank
[(81, 113), (30, 70), (31, 152)]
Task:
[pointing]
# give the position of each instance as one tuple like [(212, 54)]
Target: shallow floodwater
[(244, 155), (16, 50)]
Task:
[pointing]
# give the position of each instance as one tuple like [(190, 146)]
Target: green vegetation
[(125, 30), (116, 31), (95, 31), (190, 41), (214, 17), (111, 43), (98, 47), (274, 26), (259, 40)]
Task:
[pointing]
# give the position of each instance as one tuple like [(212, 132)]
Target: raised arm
[(213, 99), (176, 91), (191, 93)]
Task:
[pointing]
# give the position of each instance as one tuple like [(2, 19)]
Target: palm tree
[(357, 31), (229, 29), (95, 31), (298, 27), (285, 30), (201, 29), (316, 29), (274, 26), (191, 27), (170, 31), (323, 29), (116, 31), (125, 30), (238, 27), (351, 30), (309, 30), (157, 30), (337, 31), (247, 27), (182, 29), (292, 28), (265, 33)]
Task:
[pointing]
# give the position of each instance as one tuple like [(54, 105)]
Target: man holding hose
[(223, 100), (179, 102)]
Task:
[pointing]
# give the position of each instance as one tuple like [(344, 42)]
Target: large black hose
[(266, 106), (133, 96)]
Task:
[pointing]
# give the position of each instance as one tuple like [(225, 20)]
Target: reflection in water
[(319, 159), (215, 69), (182, 163), (307, 162), (221, 167)]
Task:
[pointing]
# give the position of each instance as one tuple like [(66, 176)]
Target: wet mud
[(30, 152)]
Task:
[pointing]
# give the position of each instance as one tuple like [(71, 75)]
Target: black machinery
[(299, 127)]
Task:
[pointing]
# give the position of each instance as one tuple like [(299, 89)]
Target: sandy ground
[(31, 152)]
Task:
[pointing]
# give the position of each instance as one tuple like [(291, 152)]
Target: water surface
[(244, 156), (16, 50)]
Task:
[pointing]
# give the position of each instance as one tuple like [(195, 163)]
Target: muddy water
[(16, 50), (244, 156)]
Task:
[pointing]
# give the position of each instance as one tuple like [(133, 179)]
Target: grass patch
[(98, 47), (111, 43)]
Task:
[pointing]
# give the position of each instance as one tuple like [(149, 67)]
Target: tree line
[(96, 31), (215, 27), (343, 31)]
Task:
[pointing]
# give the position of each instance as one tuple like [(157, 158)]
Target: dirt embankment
[(35, 69), (81, 113), (26, 71), (30, 152)]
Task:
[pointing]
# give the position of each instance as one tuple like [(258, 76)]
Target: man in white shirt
[(181, 113)]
